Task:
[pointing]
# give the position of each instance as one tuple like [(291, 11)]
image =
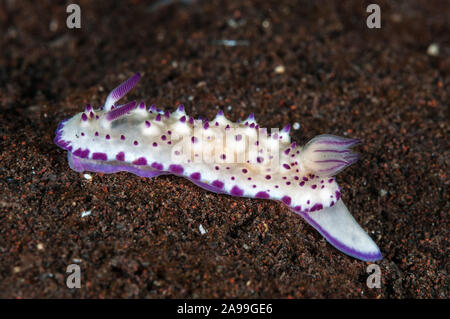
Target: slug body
[(238, 159)]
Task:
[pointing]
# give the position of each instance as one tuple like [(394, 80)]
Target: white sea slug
[(238, 159)]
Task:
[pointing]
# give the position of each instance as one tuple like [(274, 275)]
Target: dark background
[(142, 238)]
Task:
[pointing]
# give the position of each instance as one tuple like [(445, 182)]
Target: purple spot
[(163, 137), (120, 156), (96, 133), (84, 117), (268, 177), (308, 201), (140, 161), (108, 137), (217, 168), (223, 156), (262, 195), (218, 184), (157, 166), (301, 183), (288, 183), (298, 208), (155, 144), (244, 170), (286, 166), (158, 117), (287, 151), (286, 200), (314, 186), (236, 191), (80, 153), (330, 180), (99, 156), (316, 207), (183, 119), (148, 124), (305, 178), (338, 195), (135, 143), (82, 134), (196, 176), (238, 137), (177, 169), (122, 137), (194, 139)]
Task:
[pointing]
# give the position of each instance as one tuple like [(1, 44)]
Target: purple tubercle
[(157, 166), (120, 156), (236, 191), (218, 184), (99, 156), (81, 153), (262, 195), (176, 169), (140, 161), (196, 176), (84, 117), (286, 200)]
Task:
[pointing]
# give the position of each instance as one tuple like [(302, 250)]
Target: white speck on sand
[(433, 49), (85, 213), (87, 176), (280, 69), (296, 126), (201, 229)]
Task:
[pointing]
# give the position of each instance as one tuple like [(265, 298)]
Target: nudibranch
[(239, 159)]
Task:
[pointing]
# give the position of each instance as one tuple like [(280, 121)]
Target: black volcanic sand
[(142, 237)]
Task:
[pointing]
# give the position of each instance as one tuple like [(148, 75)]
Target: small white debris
[(296, 126), (266, 24), (245, 247), (280, 69), (201, 229), (40, 246), (433, 49), (383, 192), (88, 176), (232, 43), (85, 213), (76, 260), (229, 107), (190, 98)]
